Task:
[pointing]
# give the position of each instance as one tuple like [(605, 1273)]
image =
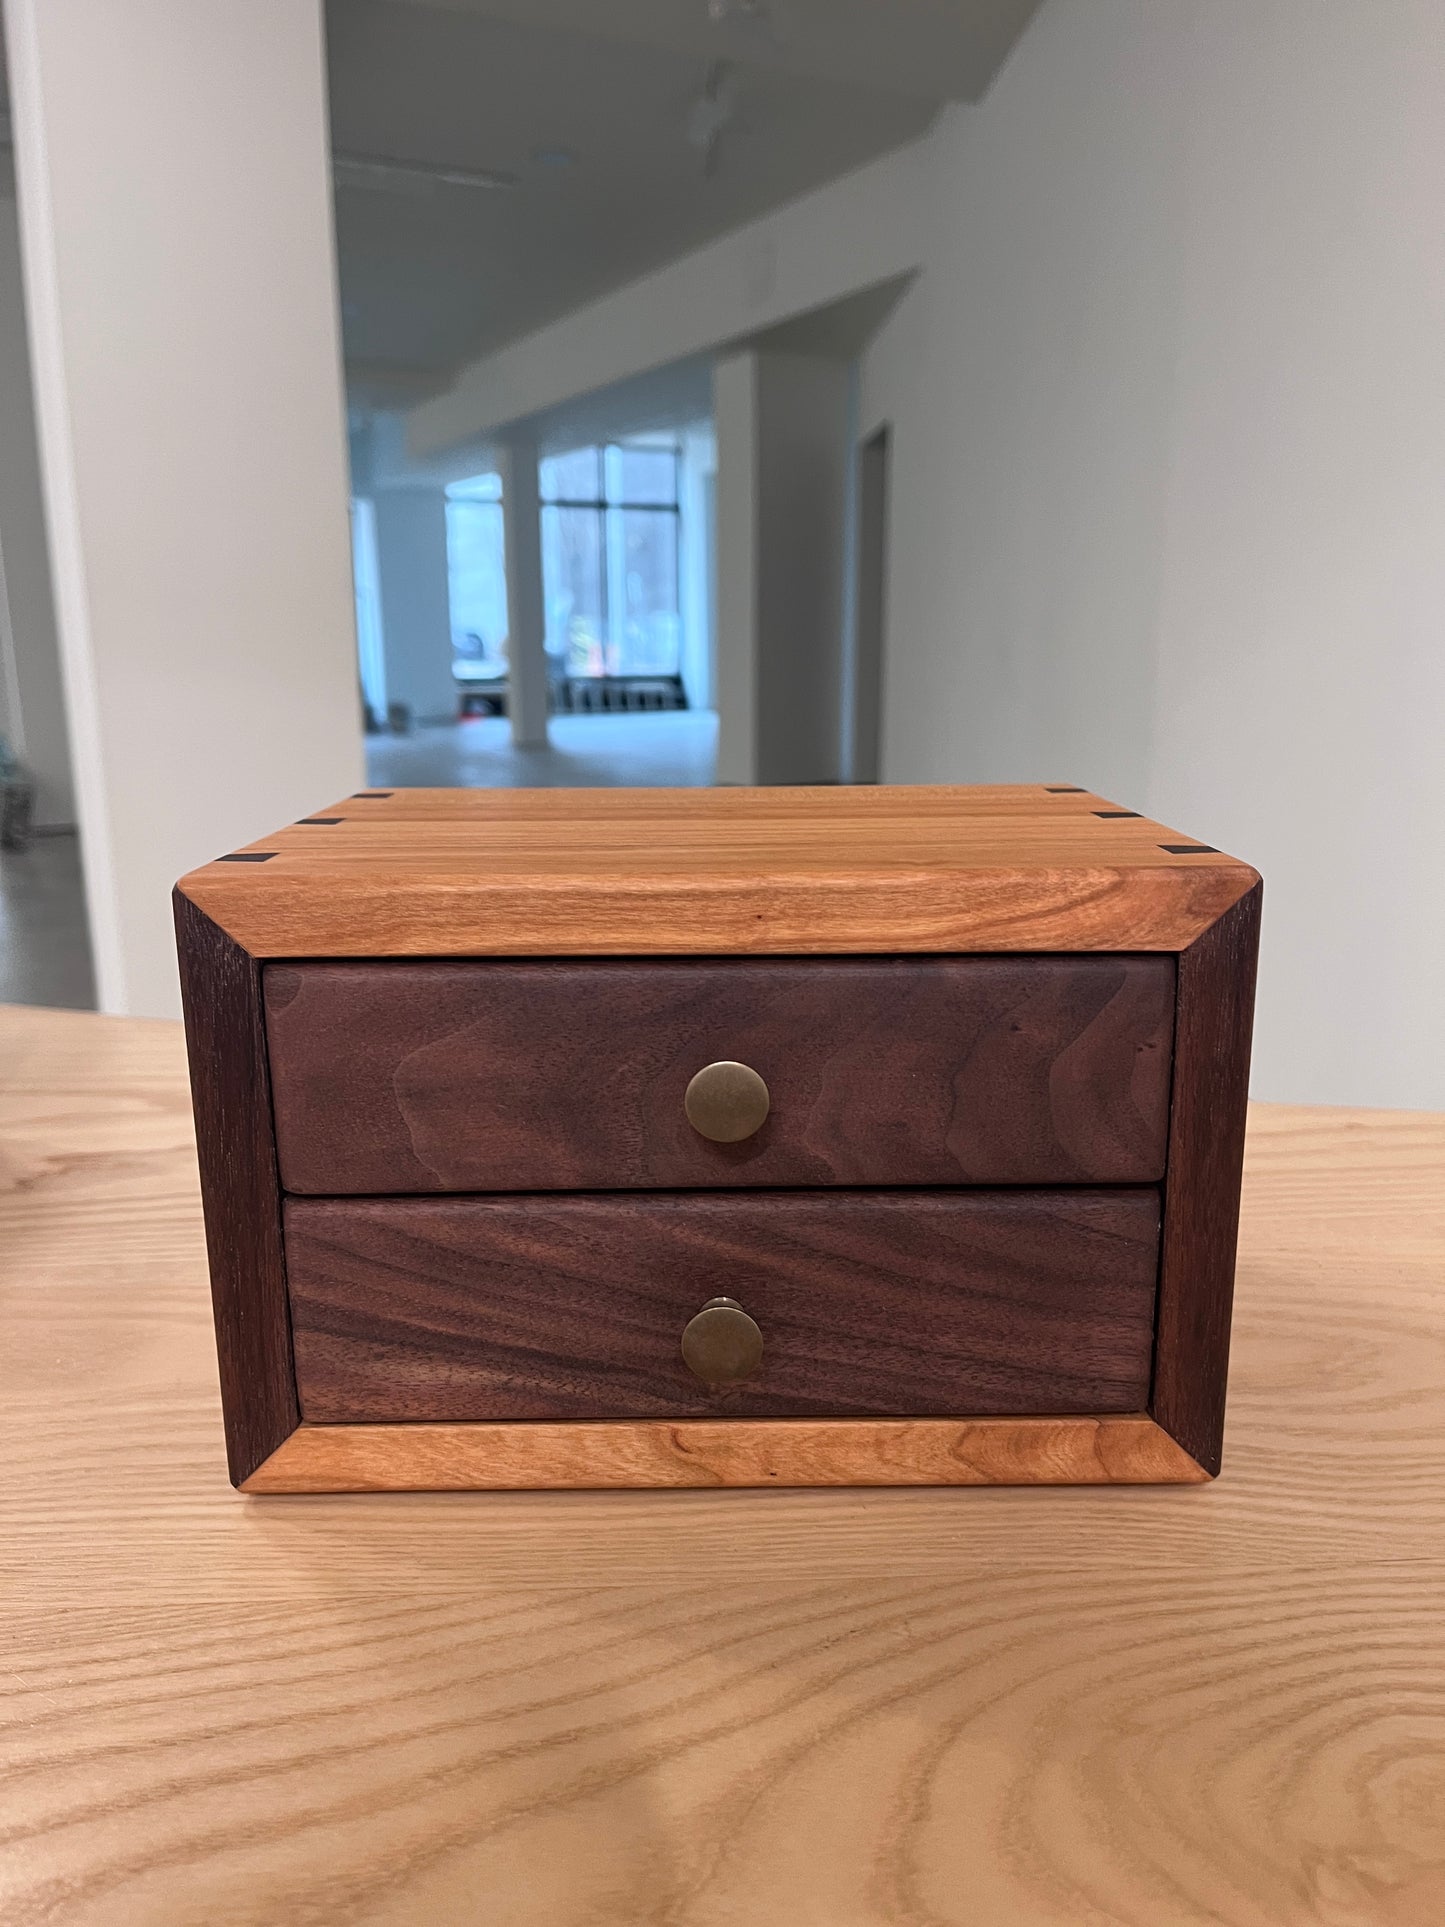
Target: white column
[(736, 533), (416, 622), (782, 507), (526, 606), (804, 453), (176, 224), (696, 483), (32, 710)]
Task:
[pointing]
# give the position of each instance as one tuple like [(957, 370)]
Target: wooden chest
[(872, 1136)]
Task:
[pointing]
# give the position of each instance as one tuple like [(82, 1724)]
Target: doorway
[(865, 749)]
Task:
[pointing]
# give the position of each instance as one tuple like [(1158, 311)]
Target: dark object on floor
[(581, 694), (17, 800)]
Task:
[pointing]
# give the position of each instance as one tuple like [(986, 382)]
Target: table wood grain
[(1218, 1704)]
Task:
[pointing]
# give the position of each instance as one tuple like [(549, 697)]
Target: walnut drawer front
[(395, 1077), (888, 1303)]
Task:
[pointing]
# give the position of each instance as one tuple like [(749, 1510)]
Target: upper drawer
[(541, 1076)]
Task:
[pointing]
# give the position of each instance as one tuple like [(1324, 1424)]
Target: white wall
[(176, 220), (517, 464), (735, 533), (1169, 477), (803, 422), (857, 231), (32, 710), (1167, 502), (416, 617), (781, 422), (1167, 405), (697, 575)]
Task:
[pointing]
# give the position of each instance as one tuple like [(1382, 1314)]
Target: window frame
[(603, 505)]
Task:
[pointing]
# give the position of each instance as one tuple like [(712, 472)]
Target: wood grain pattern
[(870, 1302), (553, 1076), (1206, 1154), (1126, 1449), (656, 872), (225, 1033), (1211, 1706), (739, 803)]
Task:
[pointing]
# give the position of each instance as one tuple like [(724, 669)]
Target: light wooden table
[(823, 1709)]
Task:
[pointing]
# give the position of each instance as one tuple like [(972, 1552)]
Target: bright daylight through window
[(610, 567)]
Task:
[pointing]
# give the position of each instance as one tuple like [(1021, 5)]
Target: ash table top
[(1218, 1704)]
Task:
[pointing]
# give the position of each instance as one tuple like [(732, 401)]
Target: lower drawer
[(869, 1303)]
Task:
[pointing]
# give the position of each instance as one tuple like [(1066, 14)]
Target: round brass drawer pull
[(722, 1344), (726, 1102)]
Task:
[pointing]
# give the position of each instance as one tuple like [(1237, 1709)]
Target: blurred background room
[(678, 392)]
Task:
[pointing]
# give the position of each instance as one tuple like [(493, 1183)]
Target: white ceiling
[(936, 49), (676, 395), (433, 275)]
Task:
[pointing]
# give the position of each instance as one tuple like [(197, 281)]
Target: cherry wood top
[(634, 872), (1214, 1704)]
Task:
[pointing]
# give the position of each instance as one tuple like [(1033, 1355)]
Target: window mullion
[(616, 531), (604, 550)]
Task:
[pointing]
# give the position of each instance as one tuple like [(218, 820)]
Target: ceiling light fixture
[(719, 12), (711, 111), (383, 172), (745, 21)]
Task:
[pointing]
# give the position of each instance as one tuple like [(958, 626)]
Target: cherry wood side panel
[(226, 1042), (1125, 1450), (1206, 1162), (485, 1076), (880, 1303)]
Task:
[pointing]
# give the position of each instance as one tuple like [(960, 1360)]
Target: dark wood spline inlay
[(1065, 789), (1111, 814), (526, 1076), (870, 1304), (370, 796), (318, 822), (1189, 849), (248, 856)]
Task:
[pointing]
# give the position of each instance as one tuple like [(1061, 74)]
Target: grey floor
[(44, 943), (670, 748)]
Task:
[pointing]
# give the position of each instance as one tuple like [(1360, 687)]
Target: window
[(477, 577), (610, 559), (366, 581)]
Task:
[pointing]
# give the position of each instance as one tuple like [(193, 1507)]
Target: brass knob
[(722, 1344), (726, 1102)]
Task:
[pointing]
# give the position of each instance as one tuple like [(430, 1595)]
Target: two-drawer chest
[(720, 1137)]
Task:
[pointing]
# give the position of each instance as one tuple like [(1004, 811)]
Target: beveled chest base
[(1121, 1449)]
